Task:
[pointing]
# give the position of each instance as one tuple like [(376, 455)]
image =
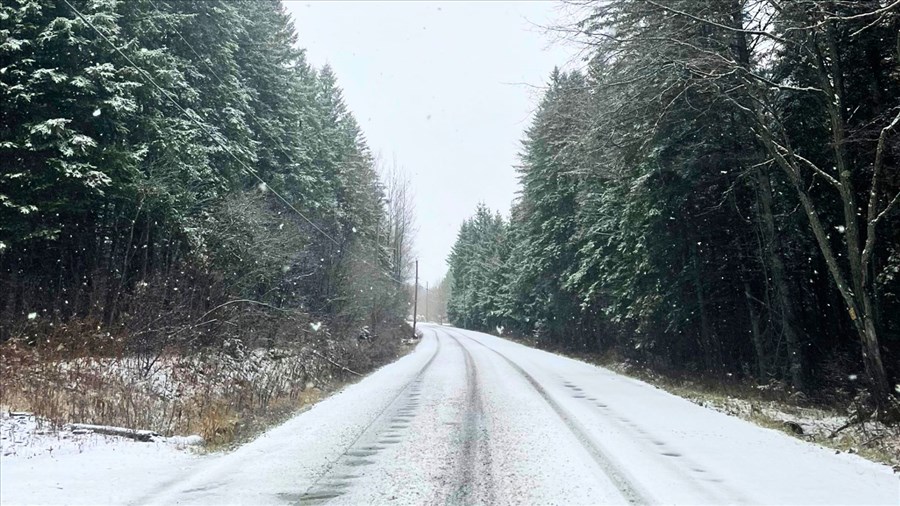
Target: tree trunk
[(706, 338), (863, 312), (871, 350), (794, 343), (762, 362)]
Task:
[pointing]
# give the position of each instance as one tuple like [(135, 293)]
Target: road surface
[(474, 419)]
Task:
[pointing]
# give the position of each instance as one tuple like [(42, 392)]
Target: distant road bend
[(474, 419)]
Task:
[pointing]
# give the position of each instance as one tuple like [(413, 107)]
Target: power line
[(212, 135)]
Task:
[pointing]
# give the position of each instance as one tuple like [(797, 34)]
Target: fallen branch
[(873, 439), (857, 418), (138, 435), (332, 362)]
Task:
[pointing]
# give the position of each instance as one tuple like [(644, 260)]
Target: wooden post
[(416, 300), (426, 301)]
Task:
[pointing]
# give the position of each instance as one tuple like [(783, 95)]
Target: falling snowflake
[(840, 228), (852, 377), (96, 112), (315, 326), (32, 316)]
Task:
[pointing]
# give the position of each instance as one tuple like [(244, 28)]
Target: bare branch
[(719, 25), (872, 213), (888, 208), (815, 168)]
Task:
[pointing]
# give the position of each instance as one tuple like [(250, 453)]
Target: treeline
[(716, 192), (175, 171), (432, 301)]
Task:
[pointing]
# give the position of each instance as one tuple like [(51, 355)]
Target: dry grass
[(225, 394), (218, 424)]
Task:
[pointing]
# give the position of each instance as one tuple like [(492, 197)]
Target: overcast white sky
[(439, 87)]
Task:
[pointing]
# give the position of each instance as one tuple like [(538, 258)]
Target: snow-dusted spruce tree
[(662, 251), (150, 154), (475, 266), (546, 214), (64, 110), (102, 159), (773, 61), (722, 199)]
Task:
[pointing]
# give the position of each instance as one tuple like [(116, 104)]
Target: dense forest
[(174, 177), (714, 192)]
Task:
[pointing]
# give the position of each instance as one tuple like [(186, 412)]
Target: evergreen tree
[(186, 144), (710, 192)]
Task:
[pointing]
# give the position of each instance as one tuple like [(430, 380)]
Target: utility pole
[(426, 301), (416, 300)]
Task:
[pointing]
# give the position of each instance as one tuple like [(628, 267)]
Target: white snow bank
[(43, 464)]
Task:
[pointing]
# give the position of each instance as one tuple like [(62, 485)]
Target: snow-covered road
[(473, 419)]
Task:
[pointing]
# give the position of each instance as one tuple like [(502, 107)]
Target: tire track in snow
[(624, 484), (314, 496), (657, 445), (473, 481)]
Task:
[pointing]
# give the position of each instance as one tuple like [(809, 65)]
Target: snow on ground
[(177, 375), (831, 428), (171, 393), (871, 439), (465, 418), (679, 452), (43, 464)]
